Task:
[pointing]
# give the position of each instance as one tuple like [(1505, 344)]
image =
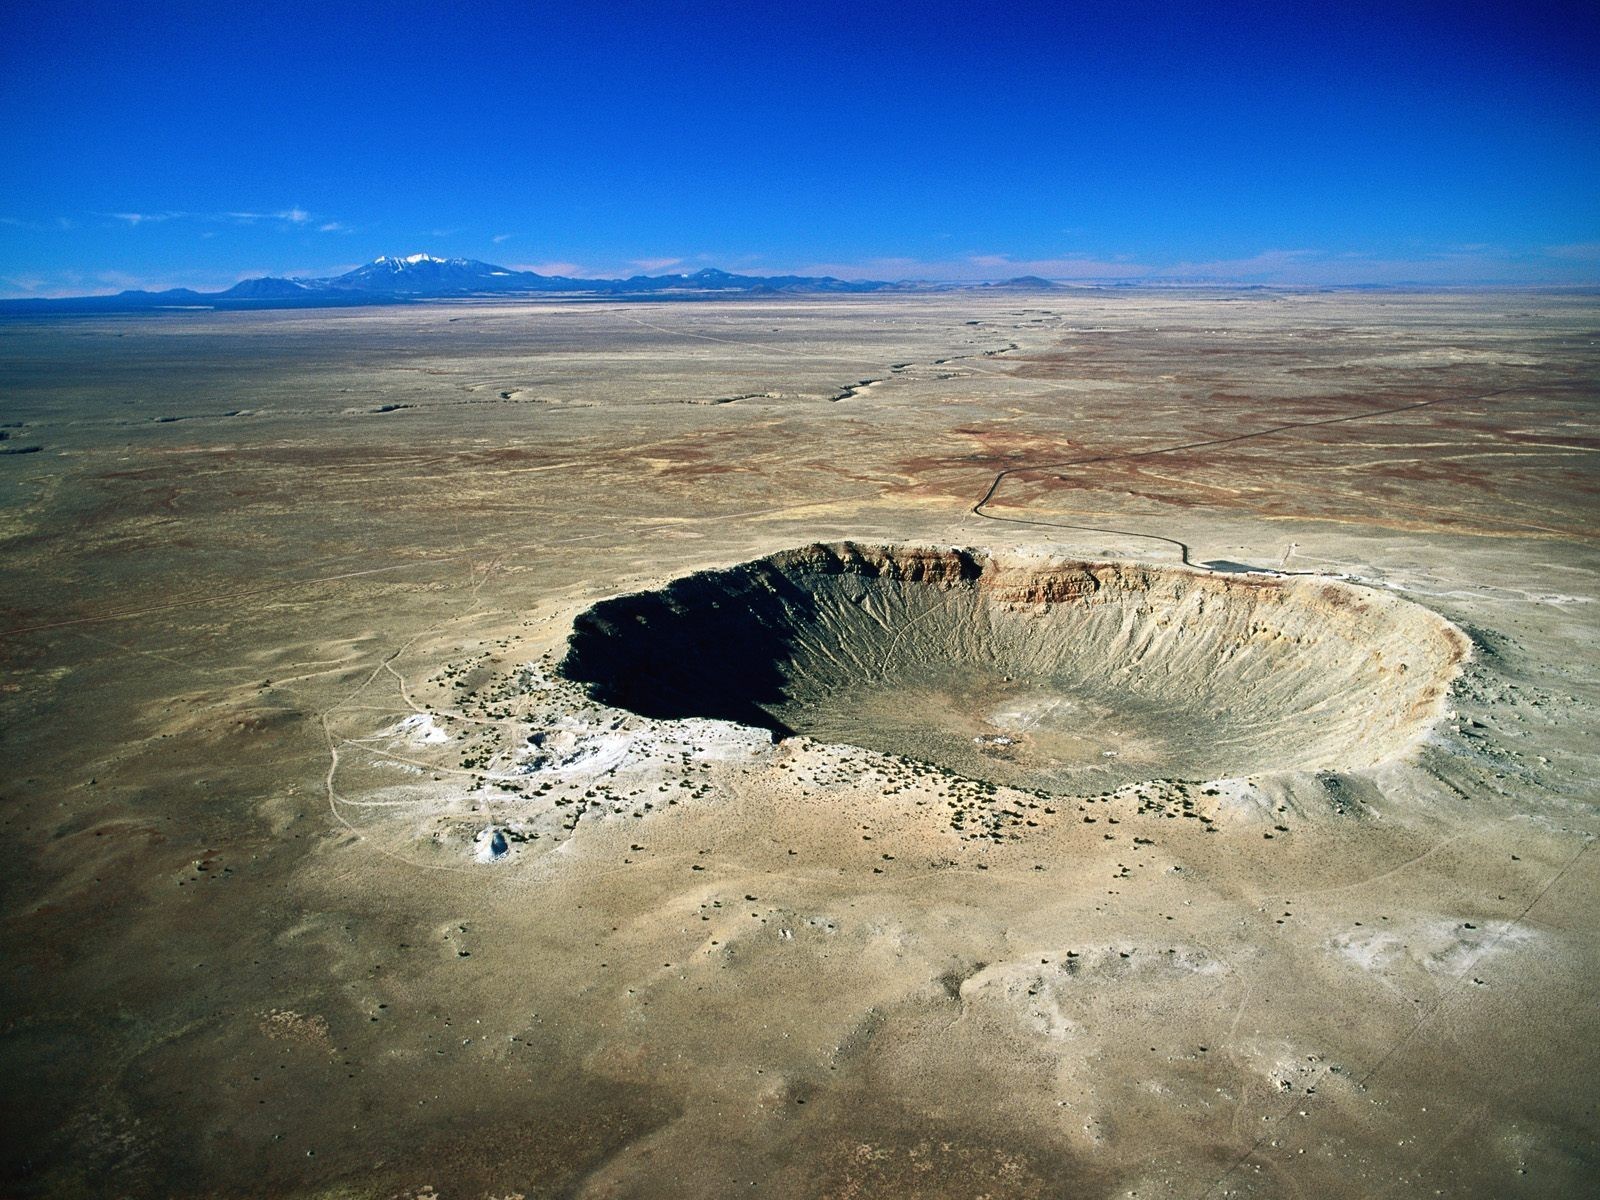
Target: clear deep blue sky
[(150, 143)]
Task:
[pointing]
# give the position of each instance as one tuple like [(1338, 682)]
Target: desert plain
[(1077, 743)]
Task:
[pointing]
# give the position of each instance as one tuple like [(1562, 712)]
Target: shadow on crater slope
[(1026, 669)]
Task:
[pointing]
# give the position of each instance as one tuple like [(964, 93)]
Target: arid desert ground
[(814, 747)]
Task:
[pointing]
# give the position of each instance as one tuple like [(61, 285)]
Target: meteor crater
[(1027, 669)]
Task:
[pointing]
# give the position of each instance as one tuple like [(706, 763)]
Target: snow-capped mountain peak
[(413, 274), (395, 262)]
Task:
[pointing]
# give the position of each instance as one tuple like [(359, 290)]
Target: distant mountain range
[(389, 280), (420, 277)]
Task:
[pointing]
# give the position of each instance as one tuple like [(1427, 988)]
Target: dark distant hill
[(267, 288), (392, 280), (713, 280), (1025, 283)]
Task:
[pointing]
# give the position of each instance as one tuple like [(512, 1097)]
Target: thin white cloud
[(655, 264), (295, 216), (1444, 265), (1266, 266), (16, 287), (978, 268), (1583, 251), (550, 268), (53, 225), (1452, 265), (134, 219), (498, 238), (1071, 266)]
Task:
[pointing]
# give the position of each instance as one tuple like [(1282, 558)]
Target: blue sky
[(154, 144)]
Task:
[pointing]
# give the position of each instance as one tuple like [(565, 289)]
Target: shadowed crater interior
[(1030, 670)]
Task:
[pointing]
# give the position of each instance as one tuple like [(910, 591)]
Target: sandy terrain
[(1090, 859)]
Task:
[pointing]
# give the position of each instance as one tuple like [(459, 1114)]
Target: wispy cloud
[(655, 264), (49, 225), (333, 227), (134, 219), (1443, 265), (294, 217), (551, 268), (20, 286), (975, 268), (502, 237), (1069, 266), (1266, 266), (1582, 251), (122, 279)]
